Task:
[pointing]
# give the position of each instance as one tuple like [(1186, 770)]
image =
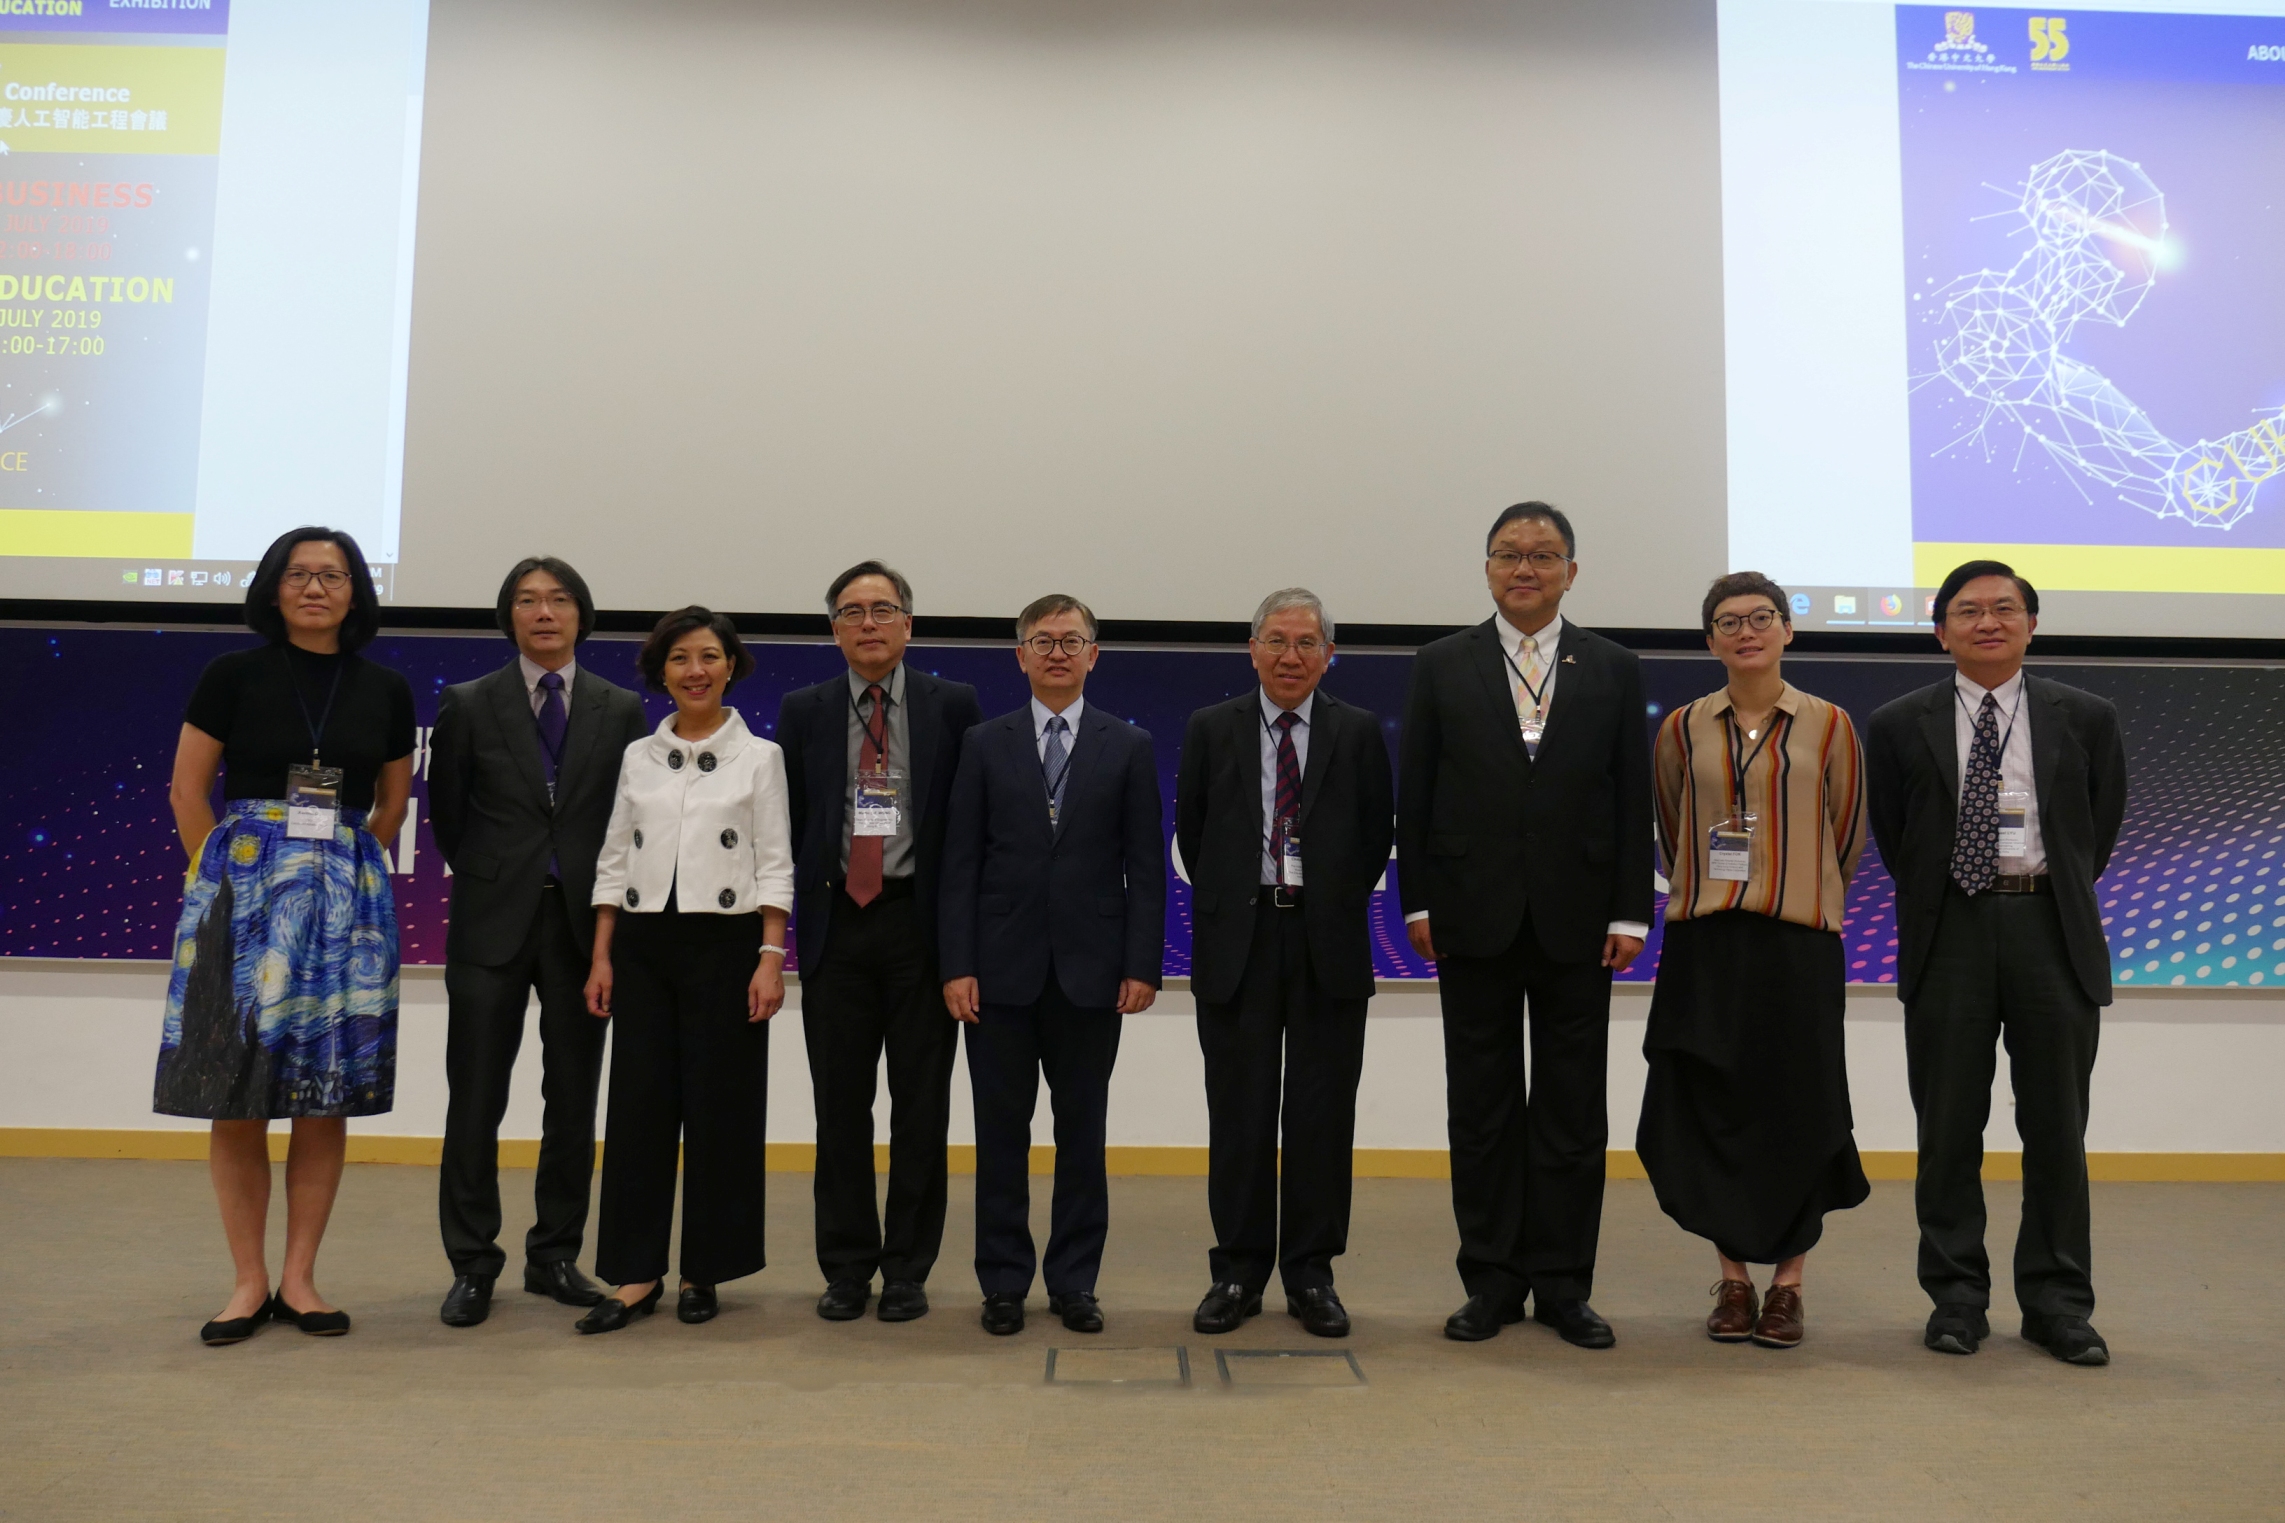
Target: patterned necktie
[(1975, 850), (1534, 670), (552, 720), (1288, 790), (1055, 767), (864, 885)]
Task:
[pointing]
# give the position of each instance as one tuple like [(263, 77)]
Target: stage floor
[(112, 1409)]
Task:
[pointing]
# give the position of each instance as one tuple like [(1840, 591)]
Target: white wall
[(2178, 1073)]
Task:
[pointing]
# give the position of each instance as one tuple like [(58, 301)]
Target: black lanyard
[(1998, 762), (1741, 761), (317, 727), (1538, 694), (1270, 834)]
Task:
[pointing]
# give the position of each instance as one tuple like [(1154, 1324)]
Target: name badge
[(1289, 861), (1534, 726), (2014, 813), (1729, 852), (879, 803), (313, 803)]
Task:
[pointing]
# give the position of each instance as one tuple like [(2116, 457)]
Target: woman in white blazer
[(691, 898)]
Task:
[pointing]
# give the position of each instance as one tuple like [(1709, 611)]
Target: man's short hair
[(1968, 571), (1047, 608), (503, 613), (868, 568), (1293, 597), (1743, 584), (1546, 513), (651, 661)]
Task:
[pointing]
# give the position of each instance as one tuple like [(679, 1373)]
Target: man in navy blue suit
[(1053, 928)]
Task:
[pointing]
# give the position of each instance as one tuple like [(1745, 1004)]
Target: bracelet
[(766, 947)]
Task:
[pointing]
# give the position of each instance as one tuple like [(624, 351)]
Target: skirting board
[(1371, 1163)]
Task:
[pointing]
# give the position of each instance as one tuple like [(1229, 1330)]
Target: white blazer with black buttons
[(706, 819)]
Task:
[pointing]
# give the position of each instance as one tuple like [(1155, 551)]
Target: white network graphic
[(2099, 225)]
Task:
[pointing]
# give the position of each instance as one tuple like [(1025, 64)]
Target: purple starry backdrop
[(89, 866)]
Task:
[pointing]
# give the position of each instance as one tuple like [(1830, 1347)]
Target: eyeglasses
[(1542, 561), (854, 614), (1757, 621), (296, 579), (1973, 613), (1307, 647), (1048, 645), (555, 602)]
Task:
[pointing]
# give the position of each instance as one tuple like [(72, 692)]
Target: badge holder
[(879, 803), (1729, 850), (1534, 727), (313, 803), (2014, 831), (1286, 894)]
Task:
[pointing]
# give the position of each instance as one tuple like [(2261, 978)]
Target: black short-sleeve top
[(248, 701)]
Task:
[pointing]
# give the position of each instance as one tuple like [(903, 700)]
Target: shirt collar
[(533, 671), (1270, 710), (894, 687), (1512, 638), (1788, 699), (2008, 693), (1041, 714)]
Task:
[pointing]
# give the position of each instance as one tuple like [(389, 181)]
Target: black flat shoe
[(844, 1300), (610, 1314), (696, 1304), (562, 1282), (1225, 1308), (222, 1332), (1956, 1329), (1320, 1312), (1080, 1311), (1003, 1315), (903, 1301), (1481, 1318), (2070, 1339), (1575, 1322), (318, 1324), (469, 1301)]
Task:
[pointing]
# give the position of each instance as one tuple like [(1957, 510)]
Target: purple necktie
[(551, 719), (1288, 800)]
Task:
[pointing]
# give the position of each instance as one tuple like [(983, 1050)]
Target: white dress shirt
[(1270, 711), (1041, 714), (2014, 755), (533, 671)]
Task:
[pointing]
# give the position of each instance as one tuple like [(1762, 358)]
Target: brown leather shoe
[(1735, 1307), (1780, 1324)]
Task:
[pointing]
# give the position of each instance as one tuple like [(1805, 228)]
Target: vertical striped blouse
[(1806, 788)]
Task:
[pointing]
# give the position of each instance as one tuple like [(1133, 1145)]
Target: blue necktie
[(1055, 767)]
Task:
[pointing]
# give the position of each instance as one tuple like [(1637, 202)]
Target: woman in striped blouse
[(1746, 1131)]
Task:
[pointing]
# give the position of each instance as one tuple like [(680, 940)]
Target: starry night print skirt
[(283, 1000)]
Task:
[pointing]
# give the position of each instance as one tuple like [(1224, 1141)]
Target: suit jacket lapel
[(1018, 729), (1491, 664), (829, 757), (1095, 726), (2044, 750), (1944, 743), (586, 720), (1566, 683), (512, 707), (920, 709), (1324, 723)]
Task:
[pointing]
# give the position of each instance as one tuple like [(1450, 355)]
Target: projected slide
[(196, 351), (2060, 278)]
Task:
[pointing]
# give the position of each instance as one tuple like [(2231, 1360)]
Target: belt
[(1282, 898), (2021, 883), (891, 888)]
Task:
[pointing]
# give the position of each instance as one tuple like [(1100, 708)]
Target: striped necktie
[(1055, 767)]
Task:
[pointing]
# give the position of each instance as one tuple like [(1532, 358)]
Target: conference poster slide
[(110, 130), (2095, 315)]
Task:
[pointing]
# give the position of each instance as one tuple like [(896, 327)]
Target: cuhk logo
[(1891, 604)]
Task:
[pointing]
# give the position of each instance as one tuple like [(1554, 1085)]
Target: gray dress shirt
[(896, 850)]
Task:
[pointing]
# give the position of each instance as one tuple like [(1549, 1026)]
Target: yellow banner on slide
[(2116, 568), (135, 536), (72, 98)]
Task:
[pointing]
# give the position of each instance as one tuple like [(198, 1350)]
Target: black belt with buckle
[(2021, 883), (1283, 898), (891, 888)]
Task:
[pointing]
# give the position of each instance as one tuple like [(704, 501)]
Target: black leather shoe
[(468, 1302), (1226, 1308), (1956, 1329), (1080, 1311), (844, 1300), (562, 1281), (2070, 1339), (1003, 1315), (1320, 1311), (1481, 1318), (610, 1314), (318, 1324), (224, 1331), (1574, 1322), (902, 1301), (696, 1304)]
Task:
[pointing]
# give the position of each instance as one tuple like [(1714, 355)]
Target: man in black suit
[(1996, 798), (1284, 811), (869, 759), (523, 769), (1523, 860), (1053, 929)]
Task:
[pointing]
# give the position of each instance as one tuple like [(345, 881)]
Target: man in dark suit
[(1996, 798), (869, 759), (1523, 859), (1284, 811), (1053, 929), (523, 769)]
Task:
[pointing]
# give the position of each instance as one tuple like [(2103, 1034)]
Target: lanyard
[(877, 729), (316, 727), (2000, 761), (1270, 833), (1538, 694), (1741, 762)]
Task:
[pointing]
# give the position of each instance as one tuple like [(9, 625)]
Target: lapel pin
[(1569, 661)]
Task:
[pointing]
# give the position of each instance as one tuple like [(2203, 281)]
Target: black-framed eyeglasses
[(1308, 647), (559, 601), (1047, 645), (1760, 620), (1542, 561), (298, 578), (853, 614)]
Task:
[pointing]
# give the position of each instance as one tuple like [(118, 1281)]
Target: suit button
[(634, 897), (729, 839), (726, 898), (674, 761), (638, 840), (706, 761)]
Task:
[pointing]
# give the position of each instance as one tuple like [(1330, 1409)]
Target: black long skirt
[(1746, 1131)]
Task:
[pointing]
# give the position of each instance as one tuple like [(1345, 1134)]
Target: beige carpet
[(110, 1409)]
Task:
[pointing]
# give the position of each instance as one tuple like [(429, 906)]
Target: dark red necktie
[(1288, 789), (864, 885)]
